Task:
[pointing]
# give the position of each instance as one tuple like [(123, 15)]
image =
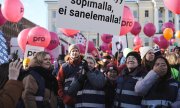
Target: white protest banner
[(118, 43), (101, 16), (32, 50)]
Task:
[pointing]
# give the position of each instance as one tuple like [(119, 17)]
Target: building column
[(166, 15), (176, 22), (156, 19)]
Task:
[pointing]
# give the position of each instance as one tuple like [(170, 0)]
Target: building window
[(146, 43), (135, 14), (94, 41), (170, 14), (160, 26), (53, 14), (146, 13), (160, 13), (53, 27)]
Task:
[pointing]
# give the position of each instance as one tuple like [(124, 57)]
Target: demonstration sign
[(118, 44), (102, 16), (32, 50)]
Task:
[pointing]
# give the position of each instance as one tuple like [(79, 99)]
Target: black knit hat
[(136, 55)]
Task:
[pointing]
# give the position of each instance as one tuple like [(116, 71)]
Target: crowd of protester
[(145, 79)]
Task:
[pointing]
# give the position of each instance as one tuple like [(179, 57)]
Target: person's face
[(46, 62), (74, 54), (120, 55), (112, 75), (176, 51), (150, 55), (91, 63), (162, 65), (131, 62)]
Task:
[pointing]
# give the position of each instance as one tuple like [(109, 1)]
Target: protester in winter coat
[(89, 87), (111, 75), (4, 74), (158, 88), (147, 56), (11, 92), (173, 62), (126, 97), (177, 51), (40, 92), (58, 64), (68, 71)]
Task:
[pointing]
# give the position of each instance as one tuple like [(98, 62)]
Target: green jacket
[(175, 74)]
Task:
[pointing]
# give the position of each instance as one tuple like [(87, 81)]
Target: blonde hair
[(38, 59), (172, 58)]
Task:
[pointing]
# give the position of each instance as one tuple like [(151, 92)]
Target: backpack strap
[(41, 88)]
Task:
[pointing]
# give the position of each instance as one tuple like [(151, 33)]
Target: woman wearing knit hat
[(111, 75), (89, 87), (126, 97), (147, 56), (158, 88)]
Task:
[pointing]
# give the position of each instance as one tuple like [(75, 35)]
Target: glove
[(14, 70)]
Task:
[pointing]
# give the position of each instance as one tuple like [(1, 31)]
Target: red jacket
[(68, 100)]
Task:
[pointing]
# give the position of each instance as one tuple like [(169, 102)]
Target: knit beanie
[(144, 51), (136, 55), (73, 46)]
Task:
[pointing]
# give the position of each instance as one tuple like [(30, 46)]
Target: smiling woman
[(126, 97), (40, 86)]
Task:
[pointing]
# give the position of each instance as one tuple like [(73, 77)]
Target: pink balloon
[(172, 41), (149, 29), (168, 25), (22, 38), (106, 38), (109, 51), (82, 48), (12, 10), (2, 19), (91, 46), (69, 32), (54, 41), (173, 5), (163, 43), (104, 47), (127, 21), (156, 40), (39, 36), (137, 40), (136, 28)]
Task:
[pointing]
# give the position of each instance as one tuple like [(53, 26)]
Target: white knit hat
[(144, 51), (72, 46)]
